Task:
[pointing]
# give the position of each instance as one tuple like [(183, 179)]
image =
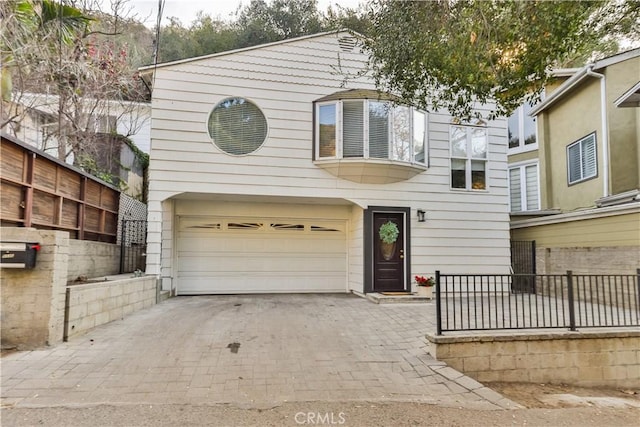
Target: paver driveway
[(253, 351)]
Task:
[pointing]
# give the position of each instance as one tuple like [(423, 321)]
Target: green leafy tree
[(260, 22), (23, 22), (57, 49), (256, 23), (339, 18), (453, 53), (174, 42)]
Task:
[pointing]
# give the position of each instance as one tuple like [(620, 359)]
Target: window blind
[(582, 159), (531, 174), (515, 189), (588, 156), (237, 126), (353, 129)]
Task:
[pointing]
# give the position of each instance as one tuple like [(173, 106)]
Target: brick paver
[(254, 350)]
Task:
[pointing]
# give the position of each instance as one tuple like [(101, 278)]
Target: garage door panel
[(255, 255), (262, 263), (240, 244), (264, 284)]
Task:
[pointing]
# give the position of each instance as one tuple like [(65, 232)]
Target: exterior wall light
[(421, 215)]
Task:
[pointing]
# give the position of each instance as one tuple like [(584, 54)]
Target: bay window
[(368, 129), (327, 130)]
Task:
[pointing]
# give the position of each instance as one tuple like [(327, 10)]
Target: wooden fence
[(40, 191)]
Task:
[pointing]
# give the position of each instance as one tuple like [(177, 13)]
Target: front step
[(397, 299)]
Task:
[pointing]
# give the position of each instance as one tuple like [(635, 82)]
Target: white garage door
[(253, 255)]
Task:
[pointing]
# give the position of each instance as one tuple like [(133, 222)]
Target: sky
[(186, 10)]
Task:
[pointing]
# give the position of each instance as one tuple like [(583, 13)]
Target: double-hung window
[(368, 129), (582, 162), (523, 188), (469, 148)]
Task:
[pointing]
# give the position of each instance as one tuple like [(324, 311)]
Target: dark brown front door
[(388, 259)]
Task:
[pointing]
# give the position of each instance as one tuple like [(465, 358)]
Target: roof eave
[(557, 94), (630, 98), (150, 68)]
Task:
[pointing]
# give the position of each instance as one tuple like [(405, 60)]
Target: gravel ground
[(562, 395), (316, 413), (546, 406)]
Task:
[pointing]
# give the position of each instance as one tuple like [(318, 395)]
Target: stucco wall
[(93, 259), (570, 119), (605, 227), (610, 359), (577, 115), (624, 141), (602, 241), (33, 300)]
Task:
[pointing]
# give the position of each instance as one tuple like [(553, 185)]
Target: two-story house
[(574, 169), (274, 168)]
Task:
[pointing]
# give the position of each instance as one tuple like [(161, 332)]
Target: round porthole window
[(237, 126)]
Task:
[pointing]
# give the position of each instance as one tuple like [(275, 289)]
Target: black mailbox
[(18, 254)]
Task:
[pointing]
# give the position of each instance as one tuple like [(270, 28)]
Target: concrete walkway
[(252, 351)]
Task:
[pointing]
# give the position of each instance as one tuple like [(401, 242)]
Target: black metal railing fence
[(468, 302)]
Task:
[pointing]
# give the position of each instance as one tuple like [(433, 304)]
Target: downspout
[(605, 130)]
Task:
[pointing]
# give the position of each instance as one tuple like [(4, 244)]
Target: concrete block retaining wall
[(93, 259), (586, 358), (33, 301), (94, 304), (33, 304), (588, 260)]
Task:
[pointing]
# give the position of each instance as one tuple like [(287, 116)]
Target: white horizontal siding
[(465, 230)]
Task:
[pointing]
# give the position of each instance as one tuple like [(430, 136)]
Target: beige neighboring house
[(274, 167), (121, 132), (574, 169)]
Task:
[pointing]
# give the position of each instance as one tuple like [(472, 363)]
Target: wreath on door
[(389, 232)]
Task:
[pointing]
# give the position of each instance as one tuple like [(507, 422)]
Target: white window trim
[(468, 159), (365, 122), (365, 133), (249, 100), (522, 166), (522, 147), (595, 148), (317, 130)]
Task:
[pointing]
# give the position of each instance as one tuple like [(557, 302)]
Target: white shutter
[(353, 129), (379, 130), (531, 176)]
